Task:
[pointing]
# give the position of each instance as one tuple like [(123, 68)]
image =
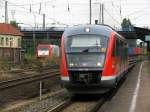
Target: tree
[(126, 24), (14, 23)]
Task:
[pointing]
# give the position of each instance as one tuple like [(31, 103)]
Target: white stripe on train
[(65, 78)]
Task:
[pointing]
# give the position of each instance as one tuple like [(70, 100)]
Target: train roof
[(93, 29)]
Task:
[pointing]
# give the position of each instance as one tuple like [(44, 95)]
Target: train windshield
[(86, 43), (43, 49), (86, 50)]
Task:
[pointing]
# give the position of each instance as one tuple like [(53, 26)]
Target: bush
[(5, 64), (31, 62), (52, 61)]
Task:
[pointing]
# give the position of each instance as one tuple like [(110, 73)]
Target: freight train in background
[(94, 58), (136, 51)]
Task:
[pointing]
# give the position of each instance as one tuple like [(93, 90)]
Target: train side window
[(117, 47), (122, 50), (126, 50), (114, 48)]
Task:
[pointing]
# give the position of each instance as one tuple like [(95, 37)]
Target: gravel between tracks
[(16, 96), (83, 103), (48, 101), (80, 107)]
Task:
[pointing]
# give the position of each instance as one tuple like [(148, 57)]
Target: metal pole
[(43, 21), (6, 12), (90, 12), (40, 90), (47, 36), (100, 7), (102, 13), (34, 40)]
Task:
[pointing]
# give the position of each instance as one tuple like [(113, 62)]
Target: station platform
[(134, 93)]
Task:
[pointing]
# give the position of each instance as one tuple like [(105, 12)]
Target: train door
[(122, 55), (118, 46), (126, 55), (116, 54)]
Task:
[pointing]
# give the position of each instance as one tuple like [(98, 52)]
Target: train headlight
[(87, 29), (71, 64), (99, 64)]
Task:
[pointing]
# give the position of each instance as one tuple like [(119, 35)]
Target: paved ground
[(132, 97), (143, 101)]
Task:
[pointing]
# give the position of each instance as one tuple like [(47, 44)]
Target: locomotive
[(93, 59), (46, 51)]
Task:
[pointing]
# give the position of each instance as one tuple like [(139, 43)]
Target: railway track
[(33, 69), (61, 106), (87, 105), (69, 104), (28, 79), (98, 104)]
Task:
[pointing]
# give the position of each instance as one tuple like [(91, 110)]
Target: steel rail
[(61, 106), (31, 69), (27, 79), (98, 105)]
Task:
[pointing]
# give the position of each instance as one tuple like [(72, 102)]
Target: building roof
[(137, 33), (7, 29)]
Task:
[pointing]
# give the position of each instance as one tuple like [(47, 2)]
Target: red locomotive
[(46, 51), (93, 58)]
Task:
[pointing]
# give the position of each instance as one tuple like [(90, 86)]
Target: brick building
[(10, 42)]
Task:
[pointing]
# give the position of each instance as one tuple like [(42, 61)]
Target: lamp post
[(90, 12)]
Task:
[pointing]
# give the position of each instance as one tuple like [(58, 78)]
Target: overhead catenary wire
[(139, 16), (138, 11), (45, 2), (112, 17), (34, 8), (37, 13), (40, 8), (49, 2), (30, 10), (120, 10)]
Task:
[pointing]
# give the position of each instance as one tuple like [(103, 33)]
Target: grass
[(4, 64), (29, 61)]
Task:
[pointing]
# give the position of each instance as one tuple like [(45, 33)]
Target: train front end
[(83, 56)]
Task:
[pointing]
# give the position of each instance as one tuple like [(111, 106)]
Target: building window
[(7, 41), (2, 41), (11, 42), (19, 42)]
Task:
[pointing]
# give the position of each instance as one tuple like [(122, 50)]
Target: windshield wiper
[(86, 50)]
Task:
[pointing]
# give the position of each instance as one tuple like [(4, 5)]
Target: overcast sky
[(71, 12)]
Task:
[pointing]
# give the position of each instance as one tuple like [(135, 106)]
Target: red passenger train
[(93, 59)]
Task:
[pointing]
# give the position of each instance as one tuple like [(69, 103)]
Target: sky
[(29, 13)]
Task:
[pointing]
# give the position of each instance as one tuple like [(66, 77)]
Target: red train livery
[(46, 51), (93, 58)]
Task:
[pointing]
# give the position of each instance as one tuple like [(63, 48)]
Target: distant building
[(10, 42)]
